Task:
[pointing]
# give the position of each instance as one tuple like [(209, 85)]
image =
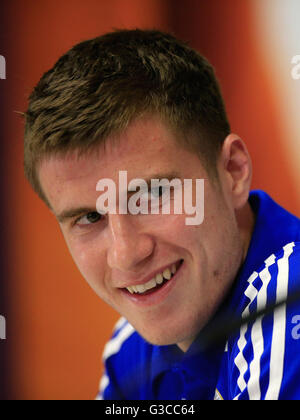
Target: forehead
[(146, 147)]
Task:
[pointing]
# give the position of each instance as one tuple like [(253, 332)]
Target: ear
[(236, 166)]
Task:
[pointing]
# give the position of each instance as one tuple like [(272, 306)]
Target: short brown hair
[(100, 85)]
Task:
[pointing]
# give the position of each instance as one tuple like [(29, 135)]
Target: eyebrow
[(169, 176), (78, 211), (73, 212)]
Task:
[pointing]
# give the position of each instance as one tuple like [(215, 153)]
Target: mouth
[(160, 281)]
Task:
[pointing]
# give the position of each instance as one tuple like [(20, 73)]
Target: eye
[(153, 194), (160, 195), (89, 219), (158, 192)]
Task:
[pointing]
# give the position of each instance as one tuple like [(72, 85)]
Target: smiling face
[(119, 251)]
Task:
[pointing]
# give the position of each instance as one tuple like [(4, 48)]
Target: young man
[(144, 104)]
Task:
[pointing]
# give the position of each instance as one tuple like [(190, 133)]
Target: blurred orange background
[(56, 326)]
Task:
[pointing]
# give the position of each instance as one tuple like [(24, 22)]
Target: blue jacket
[(261, 360)]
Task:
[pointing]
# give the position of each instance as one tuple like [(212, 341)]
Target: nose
[(129, 247)]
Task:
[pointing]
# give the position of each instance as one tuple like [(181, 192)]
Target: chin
[(167, 336), (161, 341)]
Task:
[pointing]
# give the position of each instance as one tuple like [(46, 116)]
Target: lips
[(156, 282)]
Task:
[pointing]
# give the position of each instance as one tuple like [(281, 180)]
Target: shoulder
[(263, 352), (124, 357), (277, 277), (125, 342), (121, 335)]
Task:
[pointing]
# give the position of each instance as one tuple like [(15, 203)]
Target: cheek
[(89, 260), (223, 244), (174, 230), (191, 242)]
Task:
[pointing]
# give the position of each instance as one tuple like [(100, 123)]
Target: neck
[(246, 221)]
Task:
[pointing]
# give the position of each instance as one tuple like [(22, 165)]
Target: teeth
[(150, 285), (167, 274), (130, 289), (158, 279), (140, 288)]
